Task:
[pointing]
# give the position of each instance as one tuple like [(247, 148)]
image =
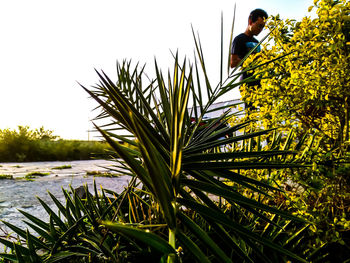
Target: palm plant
[(183, 167), (73, 232), (183, 203)]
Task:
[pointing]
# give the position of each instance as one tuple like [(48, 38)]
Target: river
[(21, 194)]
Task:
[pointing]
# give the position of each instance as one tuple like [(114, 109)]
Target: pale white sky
[(47, 46)]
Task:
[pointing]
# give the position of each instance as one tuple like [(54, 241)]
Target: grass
[(62, 167), (6, 176), (35, 174), (101, 174)]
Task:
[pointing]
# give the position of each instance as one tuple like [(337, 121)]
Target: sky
[(47, 47)]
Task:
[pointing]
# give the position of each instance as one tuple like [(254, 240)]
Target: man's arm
[(234, 60)]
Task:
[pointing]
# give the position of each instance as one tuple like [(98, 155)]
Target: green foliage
[(308, 88), (35, 174), (25, 145), (62, 167), (101, 174), (6, 176), (83, 230), (189, 174), (321, 195), (80, 237)]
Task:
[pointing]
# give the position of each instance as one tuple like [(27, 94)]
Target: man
[(244, 42)]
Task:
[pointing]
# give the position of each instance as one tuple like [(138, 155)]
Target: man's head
[(256, 21)]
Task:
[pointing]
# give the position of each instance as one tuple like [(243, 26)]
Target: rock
[(81, 192)]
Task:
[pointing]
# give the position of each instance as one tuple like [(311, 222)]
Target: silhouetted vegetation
[(26, 145)]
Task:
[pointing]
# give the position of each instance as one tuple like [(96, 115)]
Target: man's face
[(257, 26)]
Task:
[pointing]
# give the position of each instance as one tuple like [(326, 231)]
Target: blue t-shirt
[(241, 45)]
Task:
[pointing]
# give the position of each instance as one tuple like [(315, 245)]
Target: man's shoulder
[(244, 37), (241, 36)]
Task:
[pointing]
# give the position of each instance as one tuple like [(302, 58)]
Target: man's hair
[(256, 13)]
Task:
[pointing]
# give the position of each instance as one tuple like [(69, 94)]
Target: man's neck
[(248, 32)]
